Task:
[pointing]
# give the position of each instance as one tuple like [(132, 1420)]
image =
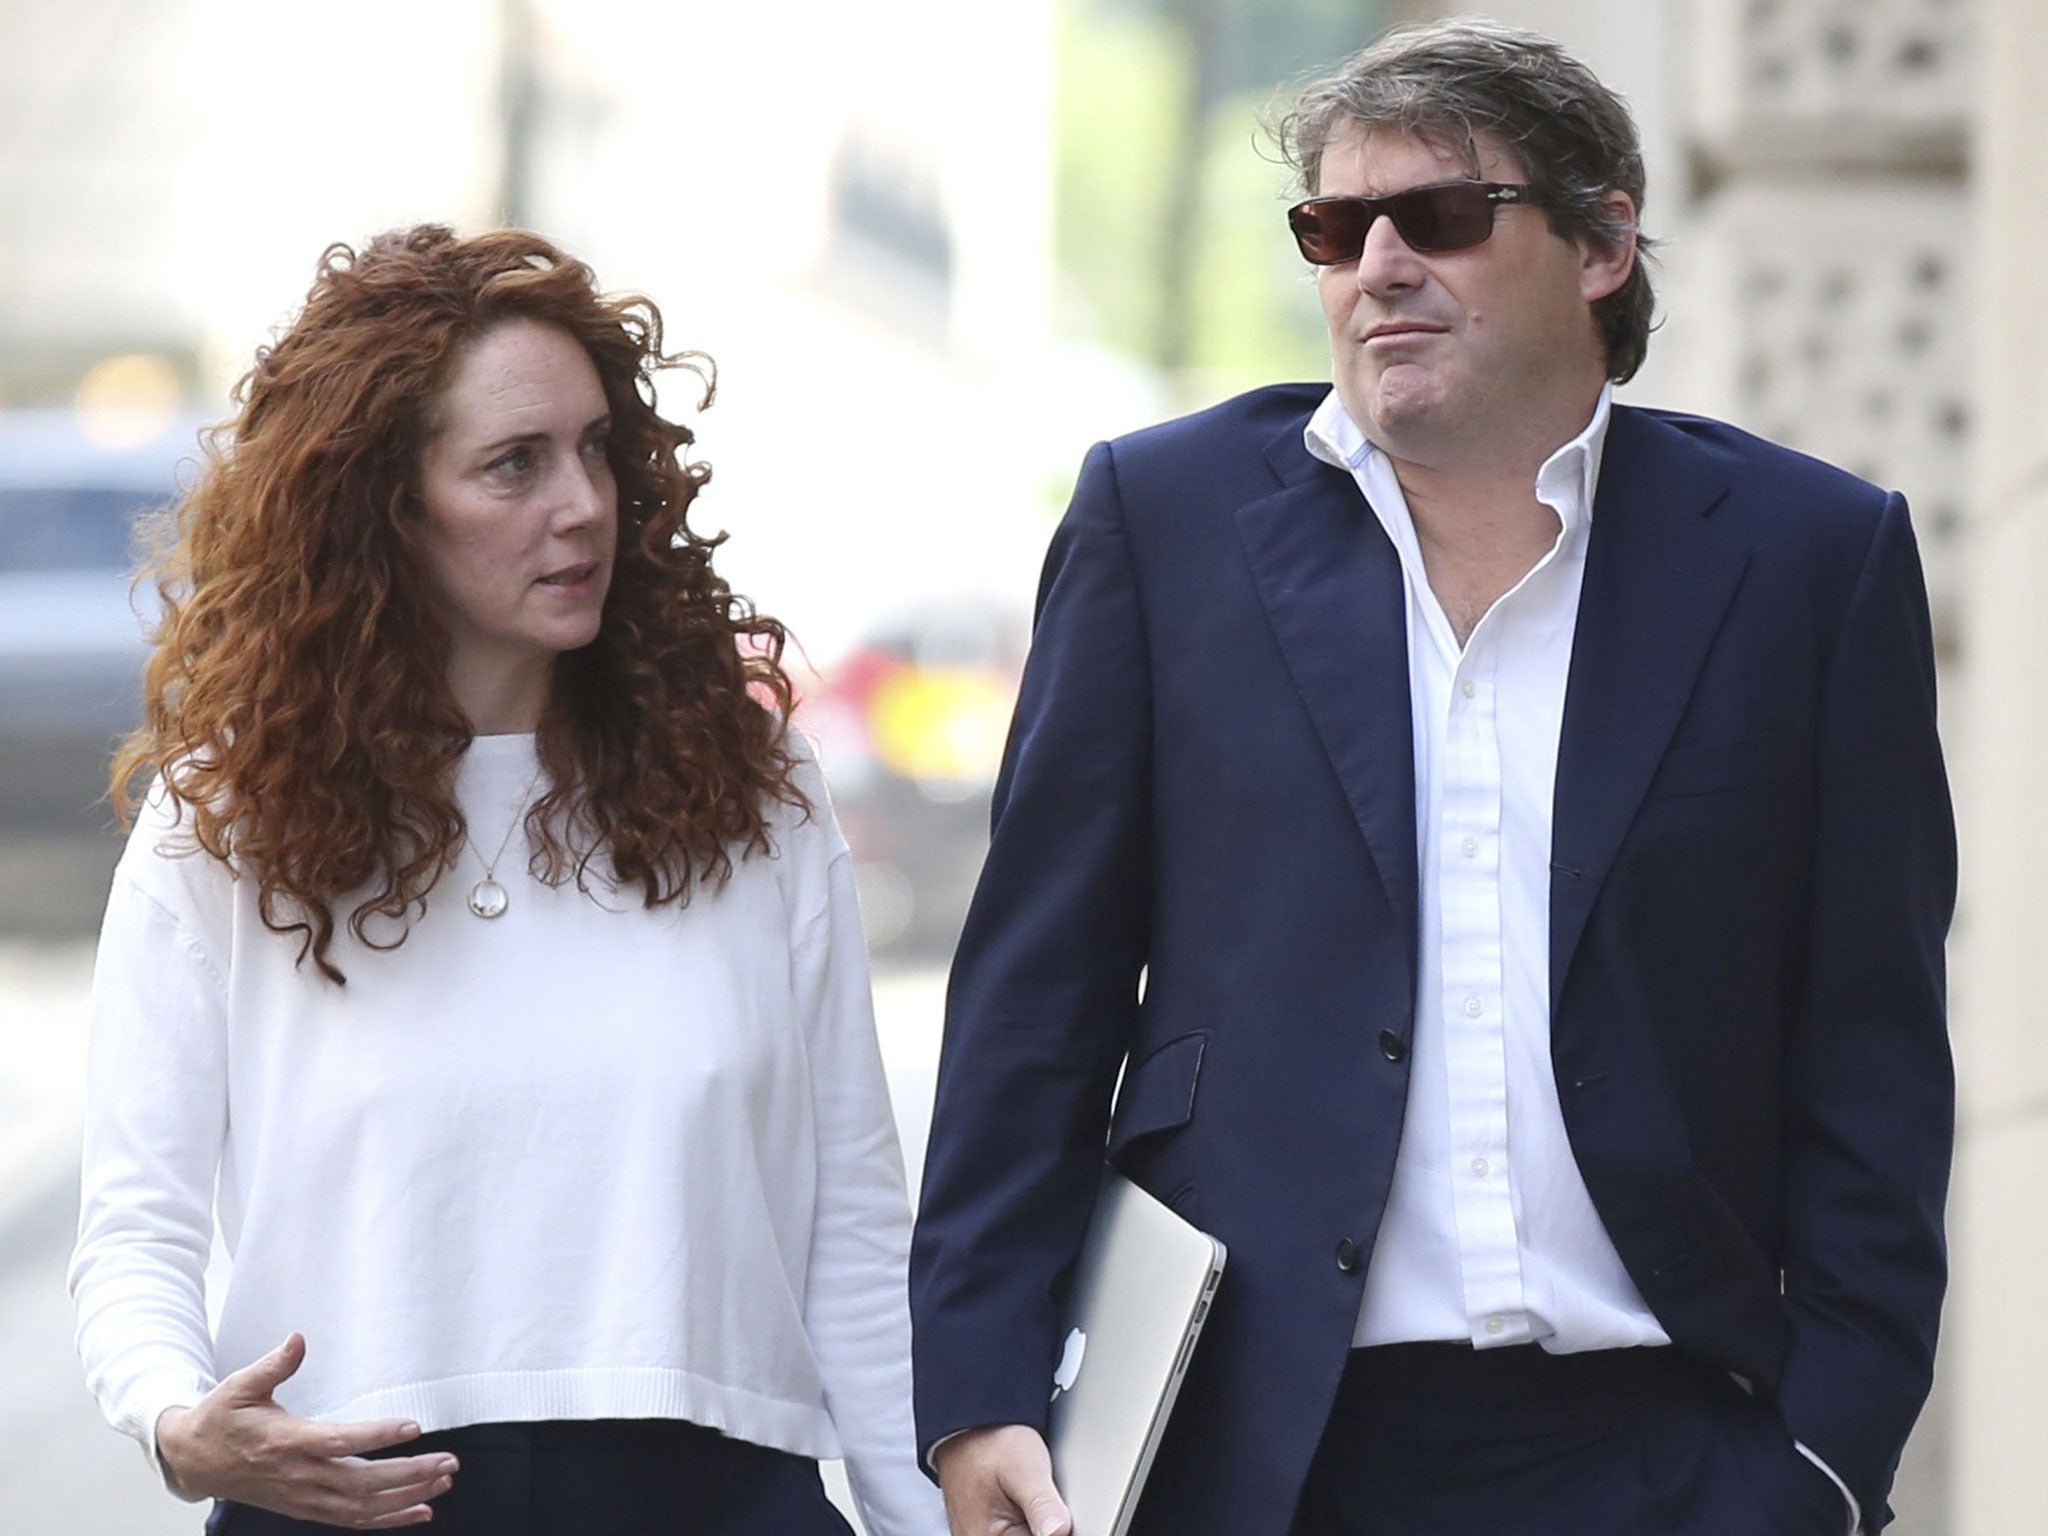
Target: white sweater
[(583, 1161)]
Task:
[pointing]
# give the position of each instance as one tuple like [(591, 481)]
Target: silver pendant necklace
[(487, 898)]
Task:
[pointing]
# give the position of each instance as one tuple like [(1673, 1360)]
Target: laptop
[(1141, 1293)]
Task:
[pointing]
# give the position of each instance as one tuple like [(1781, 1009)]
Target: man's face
[(1453, 358)]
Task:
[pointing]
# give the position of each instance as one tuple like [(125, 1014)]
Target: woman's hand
[(236, 1443)]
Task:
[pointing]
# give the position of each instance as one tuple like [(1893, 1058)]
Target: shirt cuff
[(931, 1457), (1855, 1527)]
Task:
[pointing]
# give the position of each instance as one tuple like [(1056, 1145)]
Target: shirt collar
[(1565, 483)]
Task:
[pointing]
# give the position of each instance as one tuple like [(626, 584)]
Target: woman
[(485, 954)]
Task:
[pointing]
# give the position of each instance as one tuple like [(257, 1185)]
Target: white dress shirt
[(1489, 1234)]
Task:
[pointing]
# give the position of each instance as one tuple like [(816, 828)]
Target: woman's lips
[(570, 576)]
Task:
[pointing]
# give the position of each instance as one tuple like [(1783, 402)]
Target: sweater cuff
[(148, 1401)]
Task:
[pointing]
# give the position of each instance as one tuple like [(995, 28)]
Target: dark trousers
[(1445, 1440), (607, 1477)]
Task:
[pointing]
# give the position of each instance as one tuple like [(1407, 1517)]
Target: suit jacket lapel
[(1331, 585), (1657, 586)]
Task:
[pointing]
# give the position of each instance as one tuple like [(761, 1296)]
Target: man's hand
[(998, 1482), (236, 1443)]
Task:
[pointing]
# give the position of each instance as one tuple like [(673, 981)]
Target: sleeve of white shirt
[(155, 1121), (1855, 1510), (857, 1305)]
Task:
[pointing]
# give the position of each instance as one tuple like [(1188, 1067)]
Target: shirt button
[(1474, 1007), (1468, 687), (1347, 1255), (1392, 1046), (1495, 1323), (1469, 847), (1481, 1167)]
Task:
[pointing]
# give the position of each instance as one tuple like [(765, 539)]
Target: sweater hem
[(517, 1397)]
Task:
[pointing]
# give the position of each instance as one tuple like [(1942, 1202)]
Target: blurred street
[(62, 1471)]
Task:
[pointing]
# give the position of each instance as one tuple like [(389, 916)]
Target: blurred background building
[(936, 250)]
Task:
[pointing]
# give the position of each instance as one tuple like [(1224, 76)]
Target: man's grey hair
[(1447, 83)]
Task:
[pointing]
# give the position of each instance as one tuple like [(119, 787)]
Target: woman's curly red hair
[(297, 703)]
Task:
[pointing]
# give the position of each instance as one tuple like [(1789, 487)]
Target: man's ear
[(1604, 265)]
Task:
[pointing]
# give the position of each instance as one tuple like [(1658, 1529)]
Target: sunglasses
[(1444, 216)]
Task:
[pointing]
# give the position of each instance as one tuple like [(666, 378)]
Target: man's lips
[(1402, 330)]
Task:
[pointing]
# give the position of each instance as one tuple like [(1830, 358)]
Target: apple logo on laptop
[(1070, 1363)]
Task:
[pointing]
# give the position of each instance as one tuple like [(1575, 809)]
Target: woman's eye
[(512, 463), (597, 447)]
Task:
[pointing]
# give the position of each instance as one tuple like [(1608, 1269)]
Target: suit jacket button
[(1392, 1046), (1347, 1255)]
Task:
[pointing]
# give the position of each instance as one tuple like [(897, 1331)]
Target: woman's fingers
[(244, 1447), (419, 1514), (360, 1478), (361, 1507), (321, 1472), (358, 1439), (256, 1381), (396, 1505)]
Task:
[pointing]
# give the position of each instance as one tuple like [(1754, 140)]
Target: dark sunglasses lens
[(1329, 231), (1442, 218)]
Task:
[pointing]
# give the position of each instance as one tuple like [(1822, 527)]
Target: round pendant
[(487, 898)]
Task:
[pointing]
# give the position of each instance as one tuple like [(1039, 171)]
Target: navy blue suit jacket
[(1203, 874)]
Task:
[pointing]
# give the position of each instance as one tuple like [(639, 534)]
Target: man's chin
[(1403, 410)]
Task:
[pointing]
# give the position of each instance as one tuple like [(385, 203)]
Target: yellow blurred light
[(126, 401), (941, 724)]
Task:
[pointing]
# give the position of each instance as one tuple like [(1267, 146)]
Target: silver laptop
[(1141, 1293)]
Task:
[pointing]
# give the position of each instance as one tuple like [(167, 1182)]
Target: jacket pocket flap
[(1158, 1093), (1729, 764)]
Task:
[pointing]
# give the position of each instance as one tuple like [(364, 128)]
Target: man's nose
[(1386, 262)]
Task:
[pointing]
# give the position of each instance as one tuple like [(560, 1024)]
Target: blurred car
[(910, 725), (71, 647)]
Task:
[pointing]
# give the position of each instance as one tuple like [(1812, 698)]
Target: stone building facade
[(1997, 1350)]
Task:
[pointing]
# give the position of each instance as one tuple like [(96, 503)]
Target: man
[(1499, 837)]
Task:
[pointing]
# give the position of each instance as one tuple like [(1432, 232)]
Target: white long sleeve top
[(581, 1161)]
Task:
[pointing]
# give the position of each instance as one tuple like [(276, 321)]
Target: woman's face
[(521, 515)]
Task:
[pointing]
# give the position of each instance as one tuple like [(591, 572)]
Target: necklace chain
[(487, 898)]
